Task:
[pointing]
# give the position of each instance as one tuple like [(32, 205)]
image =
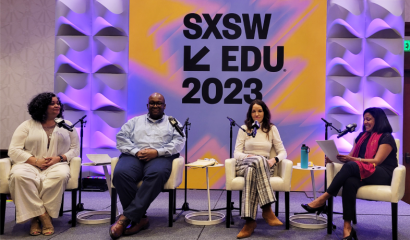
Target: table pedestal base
[(82, 217), (219, 217), (321, 221)]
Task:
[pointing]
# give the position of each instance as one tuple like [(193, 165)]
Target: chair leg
[(287, 209), (277, 203), (113, 204), (330, 215), (2, 212), (355, 216), (62, 206), (73, 207), (228, 208), (240, 203), (394, 210), (175, 201), (171, 207)]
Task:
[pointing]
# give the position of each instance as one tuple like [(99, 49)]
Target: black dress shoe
[(353, 235), (313, 210)]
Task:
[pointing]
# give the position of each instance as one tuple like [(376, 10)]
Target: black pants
[(129, 171), (349, 178)]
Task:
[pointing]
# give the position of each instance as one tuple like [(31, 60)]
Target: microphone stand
[(185, 205), (80, 205), (232, 124), (327, 125)]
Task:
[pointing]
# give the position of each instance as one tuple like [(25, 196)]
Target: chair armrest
[(75, 165), (5, 168), (175, 179), (285, 168), (230, 172), (398, 183), (331, 170), (114, 162)]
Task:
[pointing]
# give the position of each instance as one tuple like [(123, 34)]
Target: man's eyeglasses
[(152, 104)]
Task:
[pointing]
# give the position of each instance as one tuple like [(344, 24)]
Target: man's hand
[(147, 154)]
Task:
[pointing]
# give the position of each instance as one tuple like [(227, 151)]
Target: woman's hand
[(345, 158), (40, 162), (250, 155), (271, 162), (327, 160), (51, 161)]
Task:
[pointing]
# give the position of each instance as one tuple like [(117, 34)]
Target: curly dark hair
[(381, 123), (37, 107), (266, 125)]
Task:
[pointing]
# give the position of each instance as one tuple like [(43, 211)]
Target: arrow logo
[(191, 64)]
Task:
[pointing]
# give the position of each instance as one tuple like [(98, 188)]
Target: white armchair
[(175, 179), (72, 185), (393, 193), (280, 182)]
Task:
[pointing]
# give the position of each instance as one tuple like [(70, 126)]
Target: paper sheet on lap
[(329, 148)]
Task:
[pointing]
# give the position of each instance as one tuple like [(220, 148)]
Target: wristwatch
[(61, 158), (276, 159)]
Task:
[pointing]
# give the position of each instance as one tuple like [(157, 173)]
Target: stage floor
[(374, 220)]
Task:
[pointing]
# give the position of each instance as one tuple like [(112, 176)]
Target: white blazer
[(30, 139)]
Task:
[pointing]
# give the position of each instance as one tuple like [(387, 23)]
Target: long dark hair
[(381, 123), (37, 107), (265, 124)]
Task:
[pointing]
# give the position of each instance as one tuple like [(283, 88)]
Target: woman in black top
[(370, 162)]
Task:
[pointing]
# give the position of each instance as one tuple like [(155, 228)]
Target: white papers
[(98, 159), (202, 163), (329, 147)]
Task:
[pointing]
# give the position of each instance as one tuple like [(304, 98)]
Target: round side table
[(321, 221), (83, 217), (213, 217)]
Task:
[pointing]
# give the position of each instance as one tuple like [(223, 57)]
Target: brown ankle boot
[(269, 216), (247, 230)]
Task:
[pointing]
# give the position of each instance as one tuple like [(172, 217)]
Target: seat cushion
[(375, 192), (175, 179), (276, 183)]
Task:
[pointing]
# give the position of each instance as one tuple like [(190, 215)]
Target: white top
[(260, 145), (30, 139)]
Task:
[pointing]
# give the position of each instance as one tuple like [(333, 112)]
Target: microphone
[(255, 127), (61, 124), (231, 120), (349, 128), (174, 123)]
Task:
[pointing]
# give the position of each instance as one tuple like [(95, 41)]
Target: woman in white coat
[(41, 152)]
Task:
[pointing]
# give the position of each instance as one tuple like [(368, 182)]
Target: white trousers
[(35, 191)]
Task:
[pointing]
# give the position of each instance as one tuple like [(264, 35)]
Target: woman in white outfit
[(41, 152), (253, 161)]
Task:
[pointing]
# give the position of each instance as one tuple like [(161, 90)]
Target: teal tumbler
[(304, 156)]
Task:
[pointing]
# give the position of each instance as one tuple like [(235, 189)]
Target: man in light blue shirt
[(148, 143)]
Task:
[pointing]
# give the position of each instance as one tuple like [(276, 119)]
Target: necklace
[(49, 130)]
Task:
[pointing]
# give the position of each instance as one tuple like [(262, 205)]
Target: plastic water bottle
[(304, 156)]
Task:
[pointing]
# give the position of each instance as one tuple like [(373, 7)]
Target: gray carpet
[(374, 220)]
